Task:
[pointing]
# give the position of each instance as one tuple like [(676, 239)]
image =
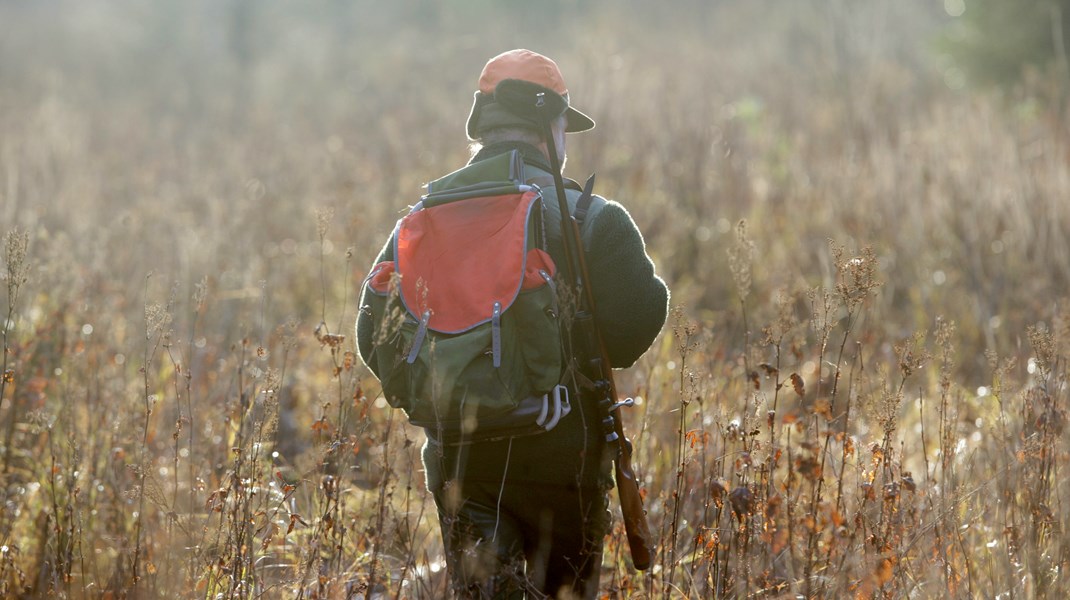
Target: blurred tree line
[(1018, 47)]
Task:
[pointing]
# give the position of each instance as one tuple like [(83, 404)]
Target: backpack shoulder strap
[(584, 203), (548, 181)]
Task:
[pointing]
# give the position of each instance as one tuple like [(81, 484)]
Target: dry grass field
[(862, 391)]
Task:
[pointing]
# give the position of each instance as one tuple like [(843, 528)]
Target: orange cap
[(522, 64), (528, 66)]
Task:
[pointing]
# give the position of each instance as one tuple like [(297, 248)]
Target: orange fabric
[(522, 64), (379, 280), (458, 259), (538, 260)]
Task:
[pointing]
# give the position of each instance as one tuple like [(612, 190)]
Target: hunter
[(529, 514)]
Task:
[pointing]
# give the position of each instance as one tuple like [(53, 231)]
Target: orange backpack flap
[(460, 260)]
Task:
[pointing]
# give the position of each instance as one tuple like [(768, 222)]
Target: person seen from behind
[(526, 516)]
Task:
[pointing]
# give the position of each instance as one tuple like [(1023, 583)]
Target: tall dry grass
[(861, 392)]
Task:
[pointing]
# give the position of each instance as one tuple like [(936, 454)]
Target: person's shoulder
[(609, 219), (609, 210)]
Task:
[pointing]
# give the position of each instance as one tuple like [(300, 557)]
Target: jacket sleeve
[(364, 318), (632, 302)]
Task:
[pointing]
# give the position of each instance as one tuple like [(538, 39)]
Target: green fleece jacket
[(632, 304)]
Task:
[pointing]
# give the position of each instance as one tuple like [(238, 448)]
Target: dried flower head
[(1043, 341), (684, 331), (856, 276), (324, 216), (15, 243), (200, 293), (157, 318), (740, 259), (911, 354)]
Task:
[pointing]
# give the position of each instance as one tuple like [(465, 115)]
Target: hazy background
[(201, 183)]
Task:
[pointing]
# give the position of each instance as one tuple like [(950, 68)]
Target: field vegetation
[(862, 391)]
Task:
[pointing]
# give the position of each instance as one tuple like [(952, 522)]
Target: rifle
[(532, 101)]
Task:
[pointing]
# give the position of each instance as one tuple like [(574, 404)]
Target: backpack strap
[(586, 198), (496, 335), (548, 181), (584, 203), (418, 339)]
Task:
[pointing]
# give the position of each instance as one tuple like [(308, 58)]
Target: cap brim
[(577, 121)]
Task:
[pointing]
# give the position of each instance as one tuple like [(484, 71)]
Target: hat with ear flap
[(527, 66)]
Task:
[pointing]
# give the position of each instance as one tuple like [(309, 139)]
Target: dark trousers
[(517, 540)]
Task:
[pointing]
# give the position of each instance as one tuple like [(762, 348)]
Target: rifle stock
[(631, 506)]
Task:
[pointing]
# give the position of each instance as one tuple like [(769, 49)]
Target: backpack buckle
[(560, 404)]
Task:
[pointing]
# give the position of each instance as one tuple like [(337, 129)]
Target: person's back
[(530, 512)]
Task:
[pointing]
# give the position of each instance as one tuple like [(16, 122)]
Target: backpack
[(467, 336)]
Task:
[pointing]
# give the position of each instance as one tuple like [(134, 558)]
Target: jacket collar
[(531, 155)]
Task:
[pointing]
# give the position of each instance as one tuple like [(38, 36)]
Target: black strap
[(584, 203)]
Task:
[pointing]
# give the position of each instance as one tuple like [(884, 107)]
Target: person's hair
[(498, 135), (512, 133)]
